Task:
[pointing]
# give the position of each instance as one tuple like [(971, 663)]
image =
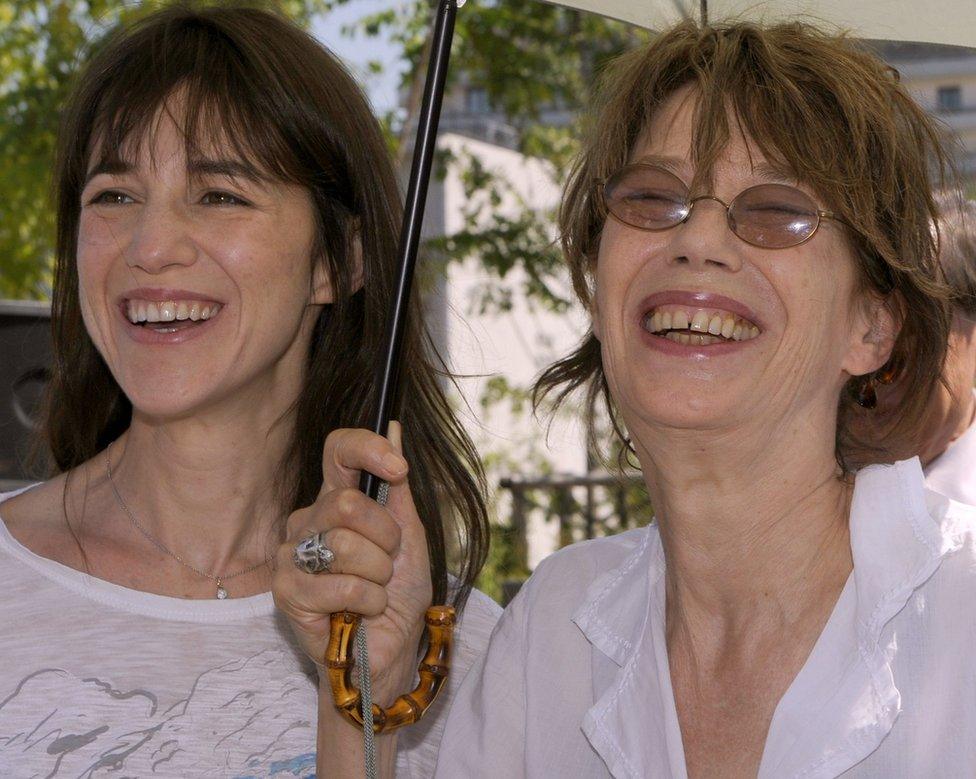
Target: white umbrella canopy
[(951, 22)]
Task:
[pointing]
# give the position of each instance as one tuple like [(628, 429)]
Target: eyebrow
[(233, 169), (674, 165), (774, 173), (768, 171), (110, 167)]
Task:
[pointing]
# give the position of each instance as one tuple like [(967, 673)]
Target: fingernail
[(394, 463)]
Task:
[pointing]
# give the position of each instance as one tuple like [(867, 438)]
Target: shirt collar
[(899, 536), (614, 613)]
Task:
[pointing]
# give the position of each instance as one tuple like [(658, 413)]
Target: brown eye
[(218, 198), (110, 197)]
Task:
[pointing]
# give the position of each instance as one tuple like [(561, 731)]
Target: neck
[(204, 486), (754, 526)]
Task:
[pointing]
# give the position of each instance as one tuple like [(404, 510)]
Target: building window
[(476, 101), (949, 98)]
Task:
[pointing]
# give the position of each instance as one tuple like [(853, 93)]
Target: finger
[(357, 556), (351, 509), (304, 596), (349, 451)]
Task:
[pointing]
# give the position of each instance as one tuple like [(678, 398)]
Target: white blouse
[(576, 683)]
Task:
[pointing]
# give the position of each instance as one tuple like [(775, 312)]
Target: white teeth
[(665, 320), (169, 310), (715, 325), (737, 333), (679, 321)]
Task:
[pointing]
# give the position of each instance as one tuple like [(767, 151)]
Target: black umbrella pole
[(413, 217)]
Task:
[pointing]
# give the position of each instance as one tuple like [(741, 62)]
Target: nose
[(705, 238), (161, 239)]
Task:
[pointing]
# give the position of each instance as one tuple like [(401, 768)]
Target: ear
[(323, 290), (877, 323)]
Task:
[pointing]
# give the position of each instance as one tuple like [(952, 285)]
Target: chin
[(163, 407), (701, 408)]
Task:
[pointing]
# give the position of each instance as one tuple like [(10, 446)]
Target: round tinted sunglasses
[(770, 216)]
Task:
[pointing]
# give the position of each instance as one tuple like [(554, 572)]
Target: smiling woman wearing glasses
[(749, 226)]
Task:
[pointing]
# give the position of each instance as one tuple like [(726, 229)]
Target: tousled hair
[(250, 79), (826, 110), (957, 250)]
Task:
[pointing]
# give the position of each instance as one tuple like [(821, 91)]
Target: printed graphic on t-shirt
[(244, 719)]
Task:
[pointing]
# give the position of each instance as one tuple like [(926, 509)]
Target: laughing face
[(701, 330), (196, 276)]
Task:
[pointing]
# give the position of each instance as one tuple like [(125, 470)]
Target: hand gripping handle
[(409, 707)]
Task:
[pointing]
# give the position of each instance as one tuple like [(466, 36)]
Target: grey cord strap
[(366, 698), (365, 681)]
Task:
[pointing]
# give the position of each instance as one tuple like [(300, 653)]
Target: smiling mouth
[(170, 316), (698, 326)]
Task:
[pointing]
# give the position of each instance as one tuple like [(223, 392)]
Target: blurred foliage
[(532, 59), (42, 45)]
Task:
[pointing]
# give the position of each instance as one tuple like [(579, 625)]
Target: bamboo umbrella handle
[(409, 707)]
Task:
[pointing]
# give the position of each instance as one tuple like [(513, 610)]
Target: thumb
[(400, 501), (394, 435)]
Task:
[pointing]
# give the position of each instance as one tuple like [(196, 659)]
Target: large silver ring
[(312, 555)]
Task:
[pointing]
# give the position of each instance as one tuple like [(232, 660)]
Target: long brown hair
[(835, 116), (290, 109)]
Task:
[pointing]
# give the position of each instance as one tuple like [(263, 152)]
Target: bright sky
[(358, 52)]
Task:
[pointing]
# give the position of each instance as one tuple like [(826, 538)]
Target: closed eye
[(655, 195)]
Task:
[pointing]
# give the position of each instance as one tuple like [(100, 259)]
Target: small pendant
[(221, 591)]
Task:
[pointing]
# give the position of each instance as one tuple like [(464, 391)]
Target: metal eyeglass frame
[(602, 187)]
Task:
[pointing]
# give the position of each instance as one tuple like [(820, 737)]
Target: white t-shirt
[(97, 680), (576, 679), (953, 473)]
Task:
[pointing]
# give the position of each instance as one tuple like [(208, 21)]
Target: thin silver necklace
[(218, 580)]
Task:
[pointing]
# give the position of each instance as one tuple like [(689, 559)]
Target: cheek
[(106, 235), (271, 269), (818, 299), (93, 266), (624, 255)]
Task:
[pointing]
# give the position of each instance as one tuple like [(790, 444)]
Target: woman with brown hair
[(227, 228), (757, 250), (749, 225)]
